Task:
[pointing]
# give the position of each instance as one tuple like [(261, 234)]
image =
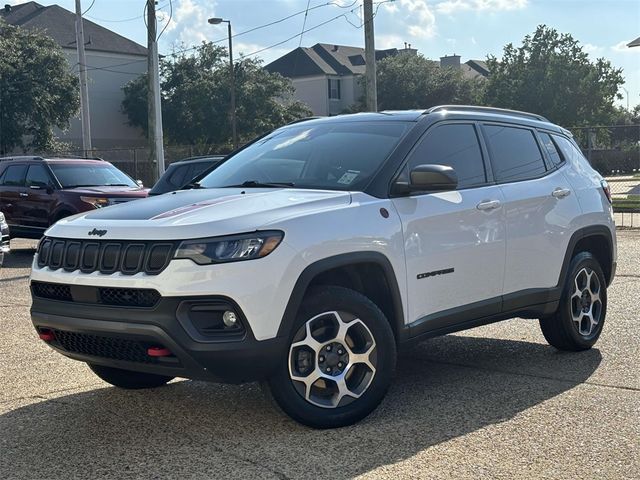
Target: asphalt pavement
[(492, 402)]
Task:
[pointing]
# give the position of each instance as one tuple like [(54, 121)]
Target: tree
[(412, 81), (37, 90), (550, 74), (195, 98)]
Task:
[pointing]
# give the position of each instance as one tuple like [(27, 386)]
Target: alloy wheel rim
[(332, 359), (586, 301)]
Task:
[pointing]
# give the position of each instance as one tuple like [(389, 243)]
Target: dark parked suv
[(180, 173), (36, 192)]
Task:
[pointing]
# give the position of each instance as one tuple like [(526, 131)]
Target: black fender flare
[(342, 260), (580, 234)]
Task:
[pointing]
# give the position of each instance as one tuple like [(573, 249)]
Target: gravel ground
[(493, 402)]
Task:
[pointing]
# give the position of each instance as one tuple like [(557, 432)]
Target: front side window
[(334, 88), (90, 175), (14, 176), (331, 156), (515, 154), (454, 145), (37, 176)]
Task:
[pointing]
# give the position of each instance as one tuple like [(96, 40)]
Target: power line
[(304, 23), (275, 22), (123, 19), (90, 7), (316, 26), (168, 21)]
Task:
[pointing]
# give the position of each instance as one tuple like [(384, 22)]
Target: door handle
[(561, 192), (488, 205), (22, 194)]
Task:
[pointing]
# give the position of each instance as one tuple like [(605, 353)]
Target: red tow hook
[(46, 335), (159, 352)]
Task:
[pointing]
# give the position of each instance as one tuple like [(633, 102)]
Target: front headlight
[(97, 202), (3, 222), (206, 251)]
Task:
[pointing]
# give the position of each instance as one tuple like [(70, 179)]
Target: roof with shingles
[(60, 24)]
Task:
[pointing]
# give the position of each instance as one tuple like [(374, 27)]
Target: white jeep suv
[(309, 257)]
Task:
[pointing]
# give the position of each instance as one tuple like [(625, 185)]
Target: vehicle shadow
[(19, 257), (195, 429)]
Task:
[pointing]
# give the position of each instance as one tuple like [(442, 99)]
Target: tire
[(571, 327), (128, 379), (341, 331)]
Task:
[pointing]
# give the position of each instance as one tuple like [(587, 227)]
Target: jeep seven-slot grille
[(119, 297), (106, 347), (105, 256)]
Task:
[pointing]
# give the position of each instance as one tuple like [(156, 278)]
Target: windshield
[(90, 175), (332, 156)]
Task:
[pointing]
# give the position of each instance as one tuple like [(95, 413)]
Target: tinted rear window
[(14, 176), (551, 148), (515, 154)]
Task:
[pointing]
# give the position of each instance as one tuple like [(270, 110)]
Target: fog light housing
[(230, 319)]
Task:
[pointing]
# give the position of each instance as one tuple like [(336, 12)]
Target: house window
[(334, 88)]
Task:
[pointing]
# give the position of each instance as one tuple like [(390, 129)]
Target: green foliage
[(196, 101), (412, 81), (550, 74), (37, 90)]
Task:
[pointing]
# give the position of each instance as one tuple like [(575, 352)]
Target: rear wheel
[(340, 360), (578, 322), (129, 379)]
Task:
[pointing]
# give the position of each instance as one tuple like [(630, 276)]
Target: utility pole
[(156, 148), (232, 110), (84, 88), (370, 58)]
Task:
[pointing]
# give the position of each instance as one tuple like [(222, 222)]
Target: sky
[(470, 28)]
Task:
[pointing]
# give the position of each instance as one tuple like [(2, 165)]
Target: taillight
[(606, 189)]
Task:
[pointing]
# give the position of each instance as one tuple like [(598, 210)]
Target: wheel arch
[(597, 240), (355, 270)]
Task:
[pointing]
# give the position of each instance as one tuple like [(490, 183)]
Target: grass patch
[(626, 204)]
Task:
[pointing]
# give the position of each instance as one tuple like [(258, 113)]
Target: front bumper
[(114, 336)]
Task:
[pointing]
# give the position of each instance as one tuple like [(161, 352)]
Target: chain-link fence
[(614, 151)]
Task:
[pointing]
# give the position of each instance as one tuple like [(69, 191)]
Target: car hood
[(198, 213), (108, 191)]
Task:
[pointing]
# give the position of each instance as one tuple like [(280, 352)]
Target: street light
[(218, 21)]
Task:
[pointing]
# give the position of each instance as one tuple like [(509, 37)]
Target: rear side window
[(454, 145), (550, 146), (515, 154), (38, 176), (14, 176), (568, 149)]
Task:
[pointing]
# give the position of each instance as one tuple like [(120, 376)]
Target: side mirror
[(140, 184), (429, 178)]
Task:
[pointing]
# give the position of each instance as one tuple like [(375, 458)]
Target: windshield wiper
[(256, 184), (191, 185), (117, 185)]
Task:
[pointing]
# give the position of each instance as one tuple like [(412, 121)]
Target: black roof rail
[(21, 157), (499, 111)]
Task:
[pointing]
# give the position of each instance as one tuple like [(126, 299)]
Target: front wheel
[(129, 379), (578, 322), (340, 360)]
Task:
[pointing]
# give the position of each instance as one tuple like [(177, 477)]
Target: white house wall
[(314, 92), (107, 74)]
